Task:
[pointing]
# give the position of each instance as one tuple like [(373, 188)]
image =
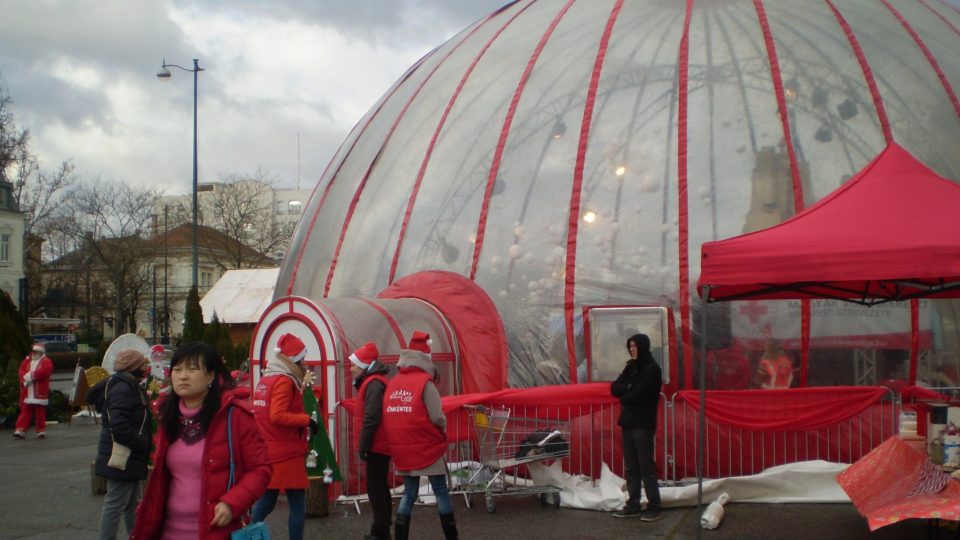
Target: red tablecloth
[(896, 482)]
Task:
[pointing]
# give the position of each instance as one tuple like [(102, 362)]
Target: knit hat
[(129, 360), (365, 355), (420, 342), (291, 347), (38, 347)]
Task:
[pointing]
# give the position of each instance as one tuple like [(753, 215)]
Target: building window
[(206, 279), (281, 207), (4, 248)]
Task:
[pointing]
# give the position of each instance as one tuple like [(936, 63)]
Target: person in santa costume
[(35, 372), (415, 428), (370, 379), (286, 428)]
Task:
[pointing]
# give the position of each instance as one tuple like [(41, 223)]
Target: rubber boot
[(449, 525), (401, 527)]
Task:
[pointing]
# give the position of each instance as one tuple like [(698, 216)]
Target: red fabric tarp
[(795, 409), (881, 486), (890, 233), (775, 414)]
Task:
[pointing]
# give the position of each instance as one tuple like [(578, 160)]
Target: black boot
[(449, 525), (401, 527)]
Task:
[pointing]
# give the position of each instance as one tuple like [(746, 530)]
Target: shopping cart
[(507, 442)]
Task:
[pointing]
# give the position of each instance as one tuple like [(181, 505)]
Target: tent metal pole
[(701, 414)]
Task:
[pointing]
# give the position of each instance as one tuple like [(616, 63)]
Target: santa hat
[(365, 355), (38, 347), (158, 349), (290, 346), (420, 341)]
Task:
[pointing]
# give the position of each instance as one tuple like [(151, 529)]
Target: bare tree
[(13, 142), (110, 223), (39, 193), (242, 209)]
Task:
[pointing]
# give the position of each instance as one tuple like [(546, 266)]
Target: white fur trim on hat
[(357, 362)]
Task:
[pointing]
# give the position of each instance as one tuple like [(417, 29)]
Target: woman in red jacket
[(278, 405), (187, 493)]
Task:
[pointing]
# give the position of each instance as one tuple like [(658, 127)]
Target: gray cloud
[(115, 35), (82, 77), (43, 99), (375, 21)]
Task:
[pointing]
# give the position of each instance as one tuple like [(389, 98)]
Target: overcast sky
[(82, 76)]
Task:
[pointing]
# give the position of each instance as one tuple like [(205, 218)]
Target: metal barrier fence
[(733, 451), (595, 441)]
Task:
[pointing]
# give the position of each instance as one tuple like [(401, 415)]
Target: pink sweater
[(183, 503)]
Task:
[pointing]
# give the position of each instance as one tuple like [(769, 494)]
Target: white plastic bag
[(713, 515)]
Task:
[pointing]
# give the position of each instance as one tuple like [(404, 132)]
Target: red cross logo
[(753, 309)]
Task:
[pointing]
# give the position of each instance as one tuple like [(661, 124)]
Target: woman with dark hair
[(192, 491)]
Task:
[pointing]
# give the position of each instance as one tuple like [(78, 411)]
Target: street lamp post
[(166, 307), (163, 75)]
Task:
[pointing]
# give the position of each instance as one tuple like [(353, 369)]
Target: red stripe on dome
[(804, 340), (376, 158), (390, 320), (323, 197), (683, 213), (505, 132), (326, 190), (781, 104), (951, 6), (433, 142), (867, 72), (929, 55), (784, 115), (914, 339), (573, 218), (941, 17)]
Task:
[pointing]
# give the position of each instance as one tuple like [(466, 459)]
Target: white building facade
[(12, 227)]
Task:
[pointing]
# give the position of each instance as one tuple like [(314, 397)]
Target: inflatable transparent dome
[(570, 157)]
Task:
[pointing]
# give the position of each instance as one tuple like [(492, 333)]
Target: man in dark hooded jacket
[(638, 388), (370, 379)]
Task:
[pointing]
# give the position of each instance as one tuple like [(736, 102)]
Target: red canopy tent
[(892, 232)]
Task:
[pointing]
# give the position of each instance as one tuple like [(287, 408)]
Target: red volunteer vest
[(379, 445), (283, 442), (415, 442)]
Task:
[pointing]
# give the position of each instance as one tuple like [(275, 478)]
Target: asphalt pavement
[(45, 495)]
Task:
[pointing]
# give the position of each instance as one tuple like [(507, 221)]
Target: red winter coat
[(415, 442), (41, 379), (278, 407), (251, 476)]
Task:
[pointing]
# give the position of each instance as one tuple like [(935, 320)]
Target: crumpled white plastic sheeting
[(802, 482), (578, 491)]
